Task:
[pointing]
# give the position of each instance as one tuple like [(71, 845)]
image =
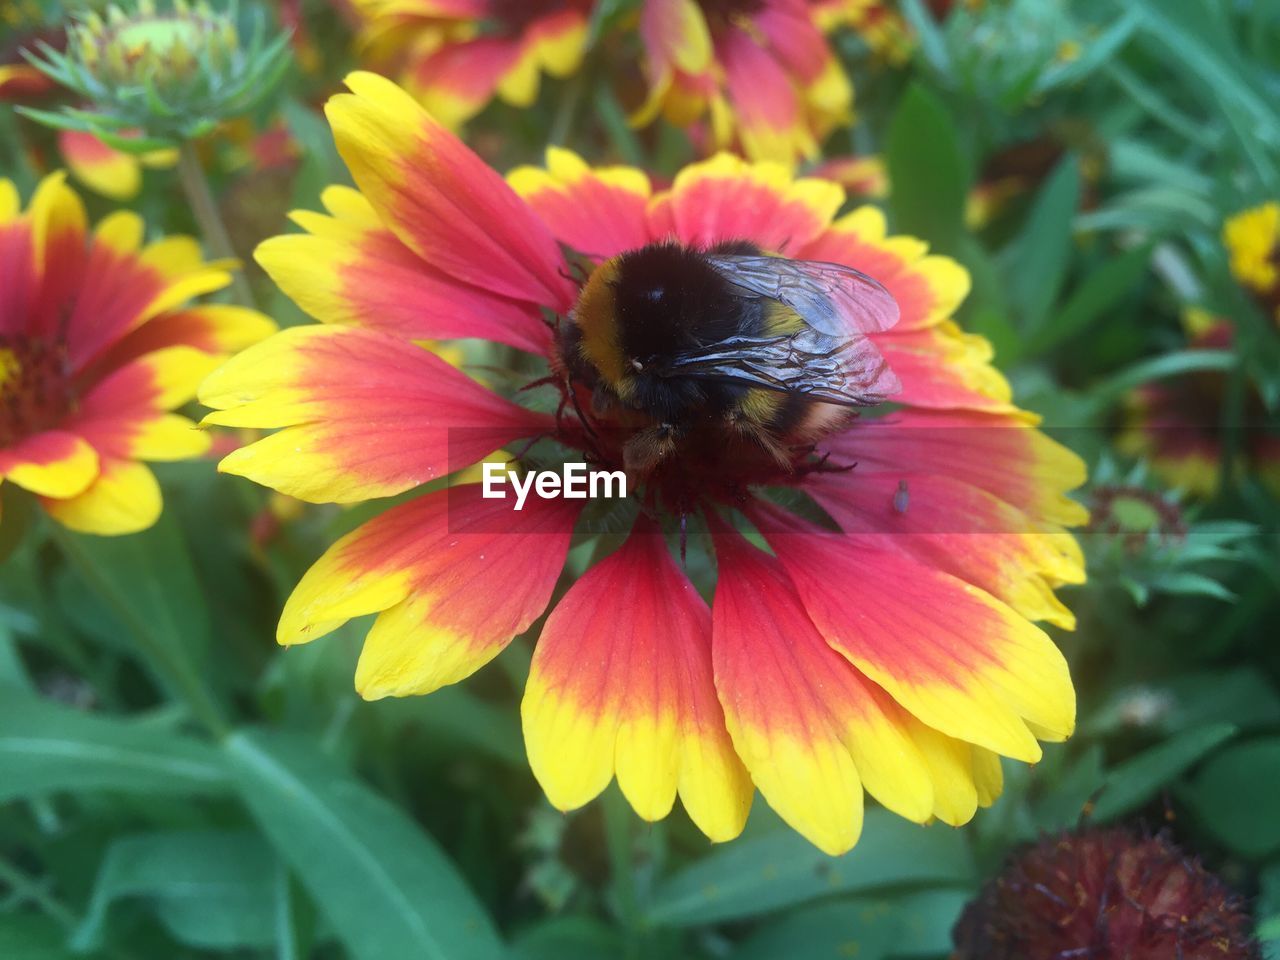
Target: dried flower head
[(1110, 894)]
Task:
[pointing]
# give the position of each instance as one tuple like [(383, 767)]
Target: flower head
[(1252, 239), (458, 55), (884, 650), (761, 70), (97, 346), (1178, 424), (1106, 894)]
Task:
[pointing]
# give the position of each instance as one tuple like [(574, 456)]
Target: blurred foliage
[(172, 785)]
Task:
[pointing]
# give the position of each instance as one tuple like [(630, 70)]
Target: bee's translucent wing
[(832, 298), (845, 370)]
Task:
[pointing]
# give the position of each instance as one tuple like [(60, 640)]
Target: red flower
[(892, 653)]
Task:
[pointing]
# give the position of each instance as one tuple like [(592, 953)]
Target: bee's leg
[(649, 447), (540, 382)]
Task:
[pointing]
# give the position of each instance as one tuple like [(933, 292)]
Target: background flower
[(457, 55), (98, 343), (925, 698)]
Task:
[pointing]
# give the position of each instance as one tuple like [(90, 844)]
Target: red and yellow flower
[(892, 652), (98, 344), (456, 56), (761, 71), (1252, 239), (1178, 425)]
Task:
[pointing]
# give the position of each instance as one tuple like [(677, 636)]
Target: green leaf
[(382, 883), (29, 936), (1099, 51), (1041, 253), (569, 938), (1138, 780), (150, 583), (1242, 696), (1092, 299), (931, 43), (907, 926), (45, 748), (1064, 804), (927, 170), (211, 889), (781, 868), (1230, 796)]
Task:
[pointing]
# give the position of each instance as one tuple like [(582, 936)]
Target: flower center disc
[(35, 391)]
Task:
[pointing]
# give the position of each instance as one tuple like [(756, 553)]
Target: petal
[(123, 415), (1000, 454), (452, 576), (212, 328), (367, 414), (441, 199), (810, 729), (101, 168), (457, 81), (349, 269), (559, 42), (955, 657), (621, 681), (125, 498), (794, 39), (54, 463), (675, 36), (929, 289), (18, 273), (943, 367), (960, 529), (770, 120), (727, 198), (599, 211)]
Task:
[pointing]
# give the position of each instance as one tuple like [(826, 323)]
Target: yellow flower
[(1252, 238)]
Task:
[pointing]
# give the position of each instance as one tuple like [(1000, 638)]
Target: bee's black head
[(670, 299)]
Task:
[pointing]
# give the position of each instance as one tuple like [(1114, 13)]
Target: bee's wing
[(849, 371), (834, 299)]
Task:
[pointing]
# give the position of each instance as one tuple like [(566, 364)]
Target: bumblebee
[(697, 349)]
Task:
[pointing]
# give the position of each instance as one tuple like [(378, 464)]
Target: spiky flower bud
[(173, 71), (1105, 894)]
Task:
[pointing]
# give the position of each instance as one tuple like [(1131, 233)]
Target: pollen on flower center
[(35, 391)]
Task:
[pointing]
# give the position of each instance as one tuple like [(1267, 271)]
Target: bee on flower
[(99, 343), (717, 341)]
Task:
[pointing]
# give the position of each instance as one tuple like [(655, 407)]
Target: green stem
[(205, 209)]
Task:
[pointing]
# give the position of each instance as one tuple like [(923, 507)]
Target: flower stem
[(205, 209)]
